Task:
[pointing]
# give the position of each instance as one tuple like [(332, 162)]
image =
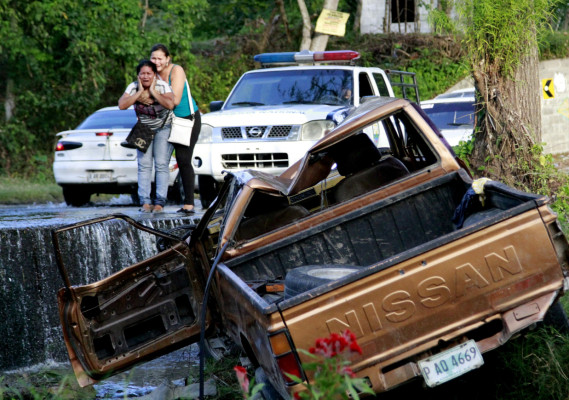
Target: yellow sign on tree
[(332, 22)]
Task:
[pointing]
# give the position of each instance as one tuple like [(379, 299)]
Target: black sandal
[(186, 211)]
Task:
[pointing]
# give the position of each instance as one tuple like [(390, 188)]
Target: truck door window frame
[(380, 83), (366, 89)]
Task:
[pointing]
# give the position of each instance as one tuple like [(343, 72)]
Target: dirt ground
[(561, 161)]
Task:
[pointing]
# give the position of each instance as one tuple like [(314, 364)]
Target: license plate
[(451, 363), (99, 176)]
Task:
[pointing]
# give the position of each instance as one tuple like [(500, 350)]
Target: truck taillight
[(287, 359), (289, 365)]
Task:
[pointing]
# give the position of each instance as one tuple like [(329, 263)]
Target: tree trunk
[(144, 16), (357, 20), (320, 41), (268, 31), (387, 17), (280, 4), (10, 102), (508, 121), (306, 28)]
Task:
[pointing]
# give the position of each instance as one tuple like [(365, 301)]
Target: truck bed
[(422, 285), (380, 235)]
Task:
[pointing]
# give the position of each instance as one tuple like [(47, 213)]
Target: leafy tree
[(62, 59), (501, 40)]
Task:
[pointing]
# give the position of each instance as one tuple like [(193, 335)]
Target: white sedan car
[(94, 158), (453, 114)]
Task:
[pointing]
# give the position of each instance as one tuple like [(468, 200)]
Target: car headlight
[(314, 130), (205, 134)]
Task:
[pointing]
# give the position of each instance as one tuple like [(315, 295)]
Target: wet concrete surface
[(59, 214)]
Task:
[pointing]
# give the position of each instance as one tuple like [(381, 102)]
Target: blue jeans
[(157, 156)]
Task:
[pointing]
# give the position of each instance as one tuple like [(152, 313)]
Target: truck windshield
[(305, 86)]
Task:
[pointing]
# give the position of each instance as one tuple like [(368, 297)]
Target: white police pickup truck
[(275, 113)]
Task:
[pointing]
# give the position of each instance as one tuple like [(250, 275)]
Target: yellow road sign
[(548, 88)]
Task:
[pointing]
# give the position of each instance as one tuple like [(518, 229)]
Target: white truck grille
[(255, 132), (256, 160)]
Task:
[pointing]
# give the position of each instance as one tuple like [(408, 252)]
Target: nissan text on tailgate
[(376, 229)]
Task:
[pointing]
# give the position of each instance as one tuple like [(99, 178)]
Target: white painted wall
[(373, 13), (373, 18)]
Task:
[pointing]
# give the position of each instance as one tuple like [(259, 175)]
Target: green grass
[(15, 191), (22, 191)]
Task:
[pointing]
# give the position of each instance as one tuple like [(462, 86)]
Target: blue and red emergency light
[(306, 56)]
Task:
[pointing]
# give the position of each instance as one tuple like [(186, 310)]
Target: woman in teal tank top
[(176, 77)]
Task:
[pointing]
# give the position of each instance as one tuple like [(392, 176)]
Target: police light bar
[(306, 56)]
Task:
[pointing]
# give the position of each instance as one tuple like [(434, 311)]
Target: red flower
[(336, 344), (241, 373), (347, 371), (355, 347), (333, 378)]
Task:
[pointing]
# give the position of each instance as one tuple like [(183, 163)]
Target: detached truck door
[(140, 312)]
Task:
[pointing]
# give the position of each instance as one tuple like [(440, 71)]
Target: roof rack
[(405, 86), (307, 57)]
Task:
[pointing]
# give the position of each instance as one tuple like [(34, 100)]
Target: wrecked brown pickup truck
[(376, 229)]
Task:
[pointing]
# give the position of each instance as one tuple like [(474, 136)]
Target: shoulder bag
[(181, 132), (140, 136)]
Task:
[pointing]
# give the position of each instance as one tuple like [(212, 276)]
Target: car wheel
[(208, 188), (556, 317), (76, 195), (302, 279), (268, 391)]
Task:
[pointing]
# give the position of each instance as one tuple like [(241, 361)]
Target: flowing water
[(30, 333)]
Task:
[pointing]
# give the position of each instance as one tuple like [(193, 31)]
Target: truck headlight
[(314, 130), (205, 134)]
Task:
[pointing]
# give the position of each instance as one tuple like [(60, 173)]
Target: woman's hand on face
[(140, 87), (145, 98), (153, 86)]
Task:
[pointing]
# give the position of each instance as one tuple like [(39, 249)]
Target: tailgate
[(402, 311)]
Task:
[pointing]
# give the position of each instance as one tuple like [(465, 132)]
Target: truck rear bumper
[(390, 374)]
